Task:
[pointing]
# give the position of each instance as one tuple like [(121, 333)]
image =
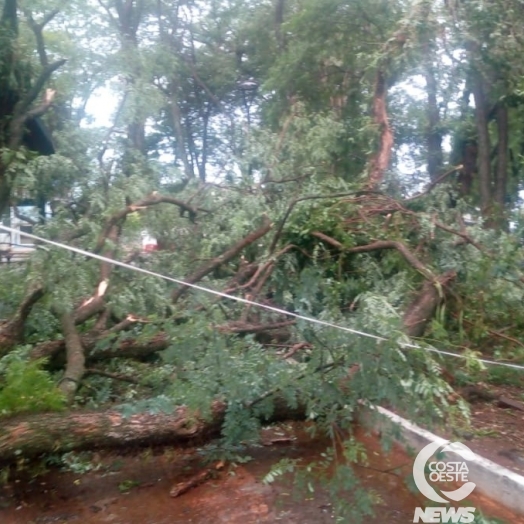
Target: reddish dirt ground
[(496, 433), (134, 489)]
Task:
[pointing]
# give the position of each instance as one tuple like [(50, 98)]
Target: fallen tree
[(305, 215), (36, 435)]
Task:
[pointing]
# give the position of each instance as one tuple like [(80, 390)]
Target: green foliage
[(128, 485), (79, 463), (25, 386), (351, 502)]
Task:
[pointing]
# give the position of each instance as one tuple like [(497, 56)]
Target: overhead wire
[(242, 300)]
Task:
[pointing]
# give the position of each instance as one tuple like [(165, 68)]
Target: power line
[(251, 302)]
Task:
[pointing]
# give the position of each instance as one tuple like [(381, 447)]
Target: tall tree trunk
[(380, 161), (433, 133), (484, 148), (180, 138), (203, 159), (279, 20), (5, 189), (501, 174), (427, 35), (130, 14)]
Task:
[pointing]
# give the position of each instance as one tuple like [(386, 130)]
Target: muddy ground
[(496, 431), (135, 488)]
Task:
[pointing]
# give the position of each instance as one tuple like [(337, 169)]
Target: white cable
[(247, 301)]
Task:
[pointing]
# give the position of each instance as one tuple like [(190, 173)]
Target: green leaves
[(25, 386)]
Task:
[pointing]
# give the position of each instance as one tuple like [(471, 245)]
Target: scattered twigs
[(256, 290), (246, 328), (293, 203), (195, 480), (114, 376), (295, 349), (497, 334), (465, 237)]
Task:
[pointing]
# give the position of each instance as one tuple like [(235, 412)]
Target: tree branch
[(434, 183), (303, 199), (382, 244), (151, 200), (229, 254), (75, 367), (12, 332)]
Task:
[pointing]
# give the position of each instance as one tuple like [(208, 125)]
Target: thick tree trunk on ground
[(35, 435)]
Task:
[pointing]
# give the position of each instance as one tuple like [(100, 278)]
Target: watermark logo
[(443, 471)]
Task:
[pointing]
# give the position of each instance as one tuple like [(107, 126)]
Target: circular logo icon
[(455, 471)]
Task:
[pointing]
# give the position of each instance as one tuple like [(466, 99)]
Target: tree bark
[(380, 161), (33, 435), (279, 20), (63, 432), (129, 348), (433, 133), (75, 367), (178, 128), (484, 148), (422, 309), (12, 332), (501, 174)]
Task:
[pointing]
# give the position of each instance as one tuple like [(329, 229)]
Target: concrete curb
[(495, 482)]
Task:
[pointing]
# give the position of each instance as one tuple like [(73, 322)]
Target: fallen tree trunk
[(130, 348), (33, 435), (37, 434)]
